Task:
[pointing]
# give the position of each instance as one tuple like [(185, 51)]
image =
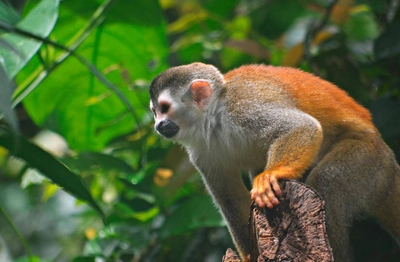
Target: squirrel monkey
[(279, 123)]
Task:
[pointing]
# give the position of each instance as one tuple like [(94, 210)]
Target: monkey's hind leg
[(347, 180), (387, 210)]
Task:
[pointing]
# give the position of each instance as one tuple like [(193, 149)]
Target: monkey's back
[(330, 105)]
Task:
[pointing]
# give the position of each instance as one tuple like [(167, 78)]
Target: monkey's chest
[(243, 156)]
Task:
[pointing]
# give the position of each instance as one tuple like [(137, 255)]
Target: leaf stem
[(23, 240), (71, 51)]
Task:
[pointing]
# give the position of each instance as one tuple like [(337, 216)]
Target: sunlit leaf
[(49, 191), (147, 215), (186, 21), (361, 25), (240, 27), (8, 14), (39, 21)]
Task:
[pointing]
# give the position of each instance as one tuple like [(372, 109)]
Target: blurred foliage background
[(83, 176)]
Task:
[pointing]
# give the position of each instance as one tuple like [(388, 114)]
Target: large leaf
[(49, 166), (8, 15), (87, 161), (129, 46), (39, 21)]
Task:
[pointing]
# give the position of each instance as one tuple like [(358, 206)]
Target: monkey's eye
[(154, 111), (164, 108)]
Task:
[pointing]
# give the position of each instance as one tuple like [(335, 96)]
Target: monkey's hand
[(265, 189)]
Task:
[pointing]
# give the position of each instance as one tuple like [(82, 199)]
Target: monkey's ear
[(201, 92)]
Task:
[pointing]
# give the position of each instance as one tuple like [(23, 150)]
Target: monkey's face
[(170, 114), (179, 100), (164, 110), (177, 116)]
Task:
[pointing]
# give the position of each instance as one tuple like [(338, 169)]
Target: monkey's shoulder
[(270, 78), (270, 72), (255, 86), (273, 83)]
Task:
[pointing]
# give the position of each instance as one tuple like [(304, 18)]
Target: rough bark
[(231, 256), (292, 231)]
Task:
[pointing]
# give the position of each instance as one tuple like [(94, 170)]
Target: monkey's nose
[(167, 128)]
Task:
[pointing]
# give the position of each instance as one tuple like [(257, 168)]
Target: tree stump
[(292, 231)]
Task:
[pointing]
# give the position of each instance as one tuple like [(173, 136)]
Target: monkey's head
[(180, 98)]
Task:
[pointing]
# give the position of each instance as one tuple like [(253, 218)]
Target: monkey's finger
[(267, 192), (262, 192), (257, 198), (269, 201), (263, 201), (256, 193), (261, 185), (275, 185), (272, 199), (260, 202)]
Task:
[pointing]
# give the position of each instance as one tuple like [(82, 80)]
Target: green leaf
[(240, 27), (128, 47), (8, 15), (5, 98), (49, 166), (195, 213), (362, 26), (87, 161), (39, 21)]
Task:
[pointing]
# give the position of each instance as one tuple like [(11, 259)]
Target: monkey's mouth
[(167, 128)]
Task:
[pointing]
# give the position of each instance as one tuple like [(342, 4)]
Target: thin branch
[(15, 229), (315, 28), (392, 10)]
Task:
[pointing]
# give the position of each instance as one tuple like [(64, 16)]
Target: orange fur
[(331, 106)]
